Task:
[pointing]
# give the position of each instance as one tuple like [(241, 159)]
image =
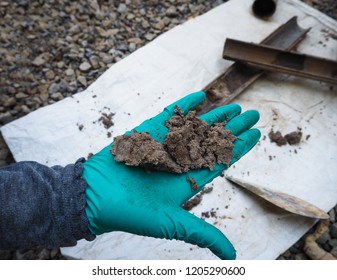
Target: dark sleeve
[(42, 205)]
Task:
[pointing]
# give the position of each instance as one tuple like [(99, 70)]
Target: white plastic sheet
[(184, 60)]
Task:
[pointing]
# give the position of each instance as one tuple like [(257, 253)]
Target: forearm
[(42, 206)]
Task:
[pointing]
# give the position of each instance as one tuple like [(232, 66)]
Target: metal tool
[(285, 201), (276, 59), (239, 76)]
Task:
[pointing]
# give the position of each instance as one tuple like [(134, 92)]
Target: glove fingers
[(189, 228), (220, 114), (243, 122), (244, 143)]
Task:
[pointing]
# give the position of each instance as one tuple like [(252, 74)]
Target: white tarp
[(182, 61)]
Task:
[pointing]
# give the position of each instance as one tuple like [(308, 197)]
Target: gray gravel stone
[(172, 11), (82, 80), (324, 238), (333, 230), (85, 66), (39, 61), (70, 72), (56, 96), (9, 102), (25, 109), (6, 118), (300, 256), (334, 252), (332, 215), (55, 87), (3, 153), (122, 8), (150, 36), (20, 95), (132, 47), (333, 242)]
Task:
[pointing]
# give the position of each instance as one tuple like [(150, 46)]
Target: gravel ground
[(52, 49)]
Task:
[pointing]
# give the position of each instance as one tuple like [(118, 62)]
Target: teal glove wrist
[(124, 198)]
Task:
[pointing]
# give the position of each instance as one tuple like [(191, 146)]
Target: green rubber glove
[(124, 198)]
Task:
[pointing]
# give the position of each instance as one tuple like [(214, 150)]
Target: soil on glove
[(189, 144)]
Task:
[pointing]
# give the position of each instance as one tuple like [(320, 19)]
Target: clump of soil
[(291, 138), (139, 149), (277, 138), (189, 144), (106, 120)]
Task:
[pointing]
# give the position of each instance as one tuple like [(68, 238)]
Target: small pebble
[(333, 230), (334, 252), (85, 66)]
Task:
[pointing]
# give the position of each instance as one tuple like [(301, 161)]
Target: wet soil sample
[(189, 144), (277, 138), (291, 138)]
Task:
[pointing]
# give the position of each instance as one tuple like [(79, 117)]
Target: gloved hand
[(124, 198)]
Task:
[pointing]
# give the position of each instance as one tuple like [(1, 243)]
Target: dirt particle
[(194, 201), (277, 138), (80, 127), (191, 203), (293, 137), (208, 214), (194, 185), (106, 120)]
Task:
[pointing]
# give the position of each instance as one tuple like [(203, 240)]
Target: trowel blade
[(285, 201)]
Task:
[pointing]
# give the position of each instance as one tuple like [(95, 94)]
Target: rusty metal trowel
[(282, 200)]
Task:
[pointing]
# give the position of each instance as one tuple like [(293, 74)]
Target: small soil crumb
[(277, 138), (106, 120), (207, 190), (194, 201), (194, 185), (293, 137), (191, 203), (208, 214), (190, 144), (80, 127)]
